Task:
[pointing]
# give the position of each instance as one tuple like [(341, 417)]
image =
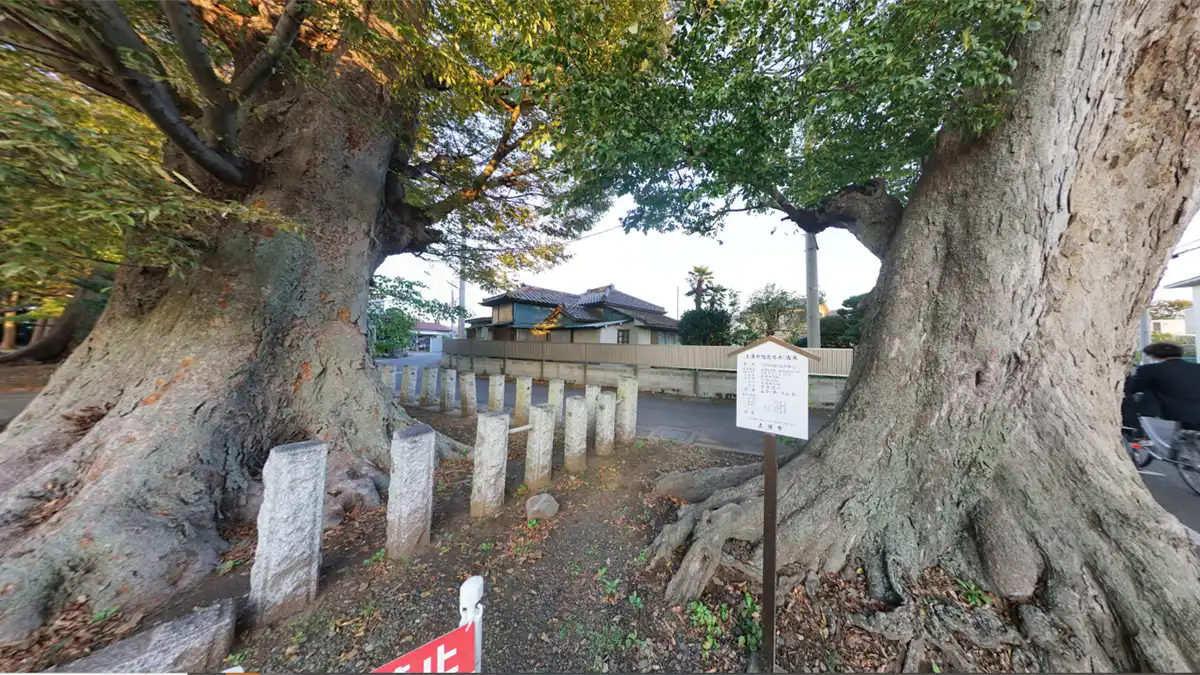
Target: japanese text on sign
[(772, 390), (453, 652)]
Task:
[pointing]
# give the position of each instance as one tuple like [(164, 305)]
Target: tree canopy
[(1169, 309), (762, 107), (771, 309), (705, 327), (93, 90), (844, 327), (394, 308), (698, 280), (82, 188)]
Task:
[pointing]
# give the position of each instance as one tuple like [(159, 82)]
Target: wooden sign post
[(772, 397)]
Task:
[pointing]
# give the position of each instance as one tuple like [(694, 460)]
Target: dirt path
[(569, 594)]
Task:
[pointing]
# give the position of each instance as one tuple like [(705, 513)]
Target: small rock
[(195, 643), (355, 494), (369, 647), (541, 506), (334, 514), (291, 651)]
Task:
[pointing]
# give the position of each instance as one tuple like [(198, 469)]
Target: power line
[(593, 234)]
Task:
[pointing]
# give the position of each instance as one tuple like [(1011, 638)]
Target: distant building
[(599, 315), (428, 336), (1190, 318), (477, 328)]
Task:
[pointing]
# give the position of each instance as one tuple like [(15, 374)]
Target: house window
[(502, 314), (622, 337), (1157, 326)]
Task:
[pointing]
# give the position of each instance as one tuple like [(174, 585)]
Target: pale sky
[(745, 257)]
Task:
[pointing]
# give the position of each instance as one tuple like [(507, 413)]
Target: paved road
[(12, 403), (713, 424), (707, 423)]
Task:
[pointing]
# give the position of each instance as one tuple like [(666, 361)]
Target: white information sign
[(772, 389)]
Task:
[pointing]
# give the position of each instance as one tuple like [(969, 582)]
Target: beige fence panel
[(833, 361), (525, 350), (692, 357), (564, 351)]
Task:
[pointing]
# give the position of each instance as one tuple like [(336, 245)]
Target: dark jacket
[(1175, 385)]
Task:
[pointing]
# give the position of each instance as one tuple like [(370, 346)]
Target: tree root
[(700, 484), (1097, 593)]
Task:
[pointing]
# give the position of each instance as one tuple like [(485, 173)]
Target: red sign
[(453, 652)]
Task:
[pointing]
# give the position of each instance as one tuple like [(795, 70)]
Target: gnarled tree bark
[(979, 428), (114, 479)]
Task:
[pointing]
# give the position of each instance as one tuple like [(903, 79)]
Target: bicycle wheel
[(1138, 452), (1188, 462)]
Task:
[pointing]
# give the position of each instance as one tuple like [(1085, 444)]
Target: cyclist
[(1171, 384)]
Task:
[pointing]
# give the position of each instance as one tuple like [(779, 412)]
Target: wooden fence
[(833, 361)]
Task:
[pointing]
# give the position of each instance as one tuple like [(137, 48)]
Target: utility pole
[(1144, 331), (462, 284), (676, 302), (462, 304), (813, 298)]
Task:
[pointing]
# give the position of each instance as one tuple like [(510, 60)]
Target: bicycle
[(1166, 442)]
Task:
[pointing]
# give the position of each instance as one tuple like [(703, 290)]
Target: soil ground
[(572, 593), (567, 594)]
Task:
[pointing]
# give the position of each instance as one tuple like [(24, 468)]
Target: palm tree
[(698, 280)]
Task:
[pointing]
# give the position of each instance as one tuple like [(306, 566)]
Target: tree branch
[(113, 33), (286, 30), (220, 113), (504, 147), (24, 33), (867, 211)]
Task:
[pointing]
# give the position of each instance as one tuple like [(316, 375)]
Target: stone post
[(429, 377), (287, 561), (590, 392), (491, 462), (495, 393), (408, 385), (627, 393), (524, 399), (606, 416), (555, 398), (539, 447), (449, 378), (575, 435), (466, 395), (410, 491), (388, 375)]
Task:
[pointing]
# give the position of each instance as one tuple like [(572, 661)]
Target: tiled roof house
[(598, 315)]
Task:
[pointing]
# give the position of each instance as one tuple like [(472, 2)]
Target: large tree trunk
[(979, 429), (51, 344), (116, 475), (8, 337)]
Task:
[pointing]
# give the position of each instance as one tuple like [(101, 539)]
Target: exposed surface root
[(1035, 593), (698, 485)]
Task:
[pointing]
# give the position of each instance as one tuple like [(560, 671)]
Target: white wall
[(591, 335), (560, 336), (1169, 326), (640, 336), (1193, 325), (608, 335), (435, 344)]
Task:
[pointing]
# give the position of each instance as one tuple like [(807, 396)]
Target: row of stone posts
[(611, 419), (291, 520)]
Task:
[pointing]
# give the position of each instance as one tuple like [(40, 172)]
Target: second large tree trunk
[(114, 478), (979, 429)]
